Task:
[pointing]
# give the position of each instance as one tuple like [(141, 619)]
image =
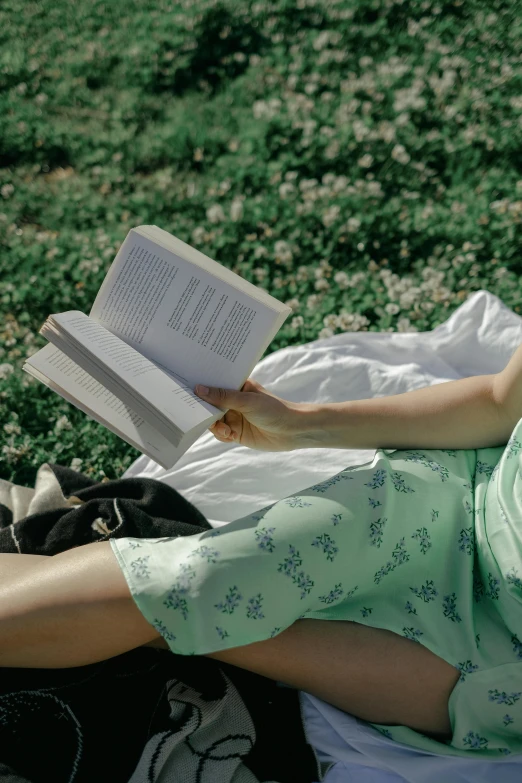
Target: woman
[(416, 555)]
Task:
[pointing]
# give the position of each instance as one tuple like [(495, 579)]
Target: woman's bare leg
[(372, 673), (12, 565), (71, 609), (76, 608)]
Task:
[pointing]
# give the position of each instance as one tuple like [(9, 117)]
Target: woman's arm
[(470, 413)]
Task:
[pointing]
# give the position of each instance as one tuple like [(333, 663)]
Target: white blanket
[(228, 481)]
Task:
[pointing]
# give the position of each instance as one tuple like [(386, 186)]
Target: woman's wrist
[(312, 425)]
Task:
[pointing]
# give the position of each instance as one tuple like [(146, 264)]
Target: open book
[(165, 319)]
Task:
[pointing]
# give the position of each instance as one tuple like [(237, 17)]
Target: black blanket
[(147, 713)]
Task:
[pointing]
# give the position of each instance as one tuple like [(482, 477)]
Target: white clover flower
[(302, 274), (359, 322), (331, 215), (260, 252), (76, 463), (297, 322), (357, 278), (322, 284), (322, 40), (340, 184), (283, 251), (366, 161), (312, 302), (12, 429), (404, 325), (198, 235), (332, 150), (441, 294), (294, 304), (286, 189), (266, 110), (392, 308), (7, 190), (374, 189), (409, 298), (307, 184), (342, 280), (324, 333), (11, 453), (5, 371), (259, 273), (278, 282), (331, 321), (399, 154), (215, 213), (353, 224), (62, 423), (236, 209), (345, 321)]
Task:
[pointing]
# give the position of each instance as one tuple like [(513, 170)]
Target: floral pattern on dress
[(465, 668), (140, 567), (376, 529), (296, 502), (327, 545), (466, 541), (327, 483), (377, 480), (334, 595), (427, 592), (513, 447), (474, 741), (517, 646), (206, 553), (422, 459), (423, 537), (399, 556), (449, 607), (162, 629), (289, 567), (512, 578), (399, 482), (503, 697), (254, 609), (265, 538), (442, 551), (231, 601), (412, 634)]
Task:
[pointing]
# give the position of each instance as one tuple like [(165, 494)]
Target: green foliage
[(359, 159)]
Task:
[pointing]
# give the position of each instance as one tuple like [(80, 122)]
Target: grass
[(359, 160)]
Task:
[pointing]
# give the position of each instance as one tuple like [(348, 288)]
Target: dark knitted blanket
[(148, 714)]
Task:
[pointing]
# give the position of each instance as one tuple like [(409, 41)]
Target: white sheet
[(227, 481)]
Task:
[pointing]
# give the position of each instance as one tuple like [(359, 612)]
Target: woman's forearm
[(460, 414)]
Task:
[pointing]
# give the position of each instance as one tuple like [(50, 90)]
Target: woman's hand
[(254, 417)]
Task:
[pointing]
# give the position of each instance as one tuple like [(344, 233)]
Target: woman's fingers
[(220, 430)]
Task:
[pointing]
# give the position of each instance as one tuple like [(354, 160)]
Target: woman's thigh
[(371, 673)]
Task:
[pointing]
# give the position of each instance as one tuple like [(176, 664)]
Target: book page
[(96, 348), (181, 316), (83, 391)]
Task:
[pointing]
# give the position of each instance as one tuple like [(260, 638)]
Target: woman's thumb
[(221, 398)]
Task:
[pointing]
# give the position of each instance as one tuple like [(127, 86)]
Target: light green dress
[(424, 543)]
